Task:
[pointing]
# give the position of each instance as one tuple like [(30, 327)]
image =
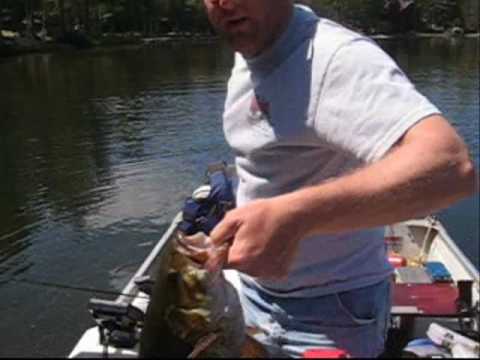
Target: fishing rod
[(52, 285)]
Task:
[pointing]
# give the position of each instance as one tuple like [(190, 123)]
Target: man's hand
[(264, 236)]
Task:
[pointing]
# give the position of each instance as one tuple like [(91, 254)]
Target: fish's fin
[(202, 345)]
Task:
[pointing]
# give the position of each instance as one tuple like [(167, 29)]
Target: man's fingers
[(224, 232), (217, 258), (221, 238)]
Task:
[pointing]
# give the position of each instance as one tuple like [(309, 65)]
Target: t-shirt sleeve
[(366, 103)]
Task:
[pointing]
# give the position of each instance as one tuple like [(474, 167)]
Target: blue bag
[(202, 215)]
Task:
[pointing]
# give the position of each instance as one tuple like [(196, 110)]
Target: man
[(332, 142)]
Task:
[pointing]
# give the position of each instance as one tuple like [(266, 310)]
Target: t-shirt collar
[(298, 29)]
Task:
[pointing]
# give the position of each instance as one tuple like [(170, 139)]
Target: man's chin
[(243, 46)]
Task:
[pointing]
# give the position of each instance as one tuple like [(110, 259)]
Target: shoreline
[(423, 35), (21, 46)]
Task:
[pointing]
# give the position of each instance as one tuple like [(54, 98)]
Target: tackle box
[(438, 272)]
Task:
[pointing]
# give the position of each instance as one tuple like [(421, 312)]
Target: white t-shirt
[(322, 101)]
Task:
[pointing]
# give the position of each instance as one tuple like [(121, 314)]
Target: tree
[(2, 6), (61, 7), (86, 15)]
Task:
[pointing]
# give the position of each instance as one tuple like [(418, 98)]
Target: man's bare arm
[(429, 169)]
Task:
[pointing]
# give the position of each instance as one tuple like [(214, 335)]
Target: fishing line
[(51, 285)]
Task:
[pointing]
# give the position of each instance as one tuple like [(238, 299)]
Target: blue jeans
[(355, 321)]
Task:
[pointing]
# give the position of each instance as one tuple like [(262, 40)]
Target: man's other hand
[(263, 234)]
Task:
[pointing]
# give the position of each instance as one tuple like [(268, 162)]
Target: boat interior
[(434, 283)]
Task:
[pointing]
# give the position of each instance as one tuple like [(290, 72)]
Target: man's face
[(250, 26)]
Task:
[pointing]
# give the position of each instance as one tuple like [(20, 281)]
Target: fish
[(193, 311)]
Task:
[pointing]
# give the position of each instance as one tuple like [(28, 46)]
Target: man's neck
[(278, 29)]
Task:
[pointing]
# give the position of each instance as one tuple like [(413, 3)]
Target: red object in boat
[(397, 261), (393, 239), (431, 299), (325, 354)]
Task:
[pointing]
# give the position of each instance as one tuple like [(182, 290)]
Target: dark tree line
[(94, 17), (396, 16), (55, 18)]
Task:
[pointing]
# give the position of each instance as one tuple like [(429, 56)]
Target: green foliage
[(145, 16), (372, 16), (439, 13), (359, 14), (154, 17)]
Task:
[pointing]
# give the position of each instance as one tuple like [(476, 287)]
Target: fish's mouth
[(200, 251), (196, 251)]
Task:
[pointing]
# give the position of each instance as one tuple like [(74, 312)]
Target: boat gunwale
[(130, 290)]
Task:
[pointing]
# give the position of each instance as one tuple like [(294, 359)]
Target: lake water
[(99, 149)]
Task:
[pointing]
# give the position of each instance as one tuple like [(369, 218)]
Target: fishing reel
[(118, 323)]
